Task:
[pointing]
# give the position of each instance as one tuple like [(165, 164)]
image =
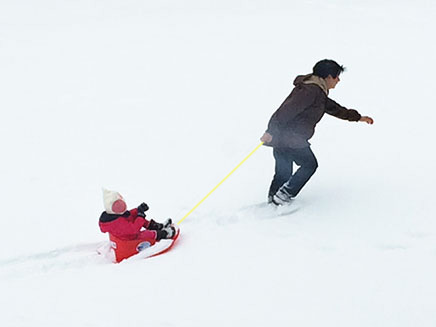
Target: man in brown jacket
[(293, 124)]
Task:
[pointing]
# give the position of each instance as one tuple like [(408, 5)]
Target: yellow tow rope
[(228, 175)]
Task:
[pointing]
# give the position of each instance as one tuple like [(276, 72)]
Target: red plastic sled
[(124, 249)]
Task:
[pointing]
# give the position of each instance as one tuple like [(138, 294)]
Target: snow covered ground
[(160, 100)]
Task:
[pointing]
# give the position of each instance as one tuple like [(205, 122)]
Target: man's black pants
[(285, 157)]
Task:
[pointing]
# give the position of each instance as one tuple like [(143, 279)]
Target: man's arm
[(299, 100), (335, 109), (295, 103)]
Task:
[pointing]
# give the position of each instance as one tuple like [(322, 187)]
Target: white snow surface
[(160, 100)]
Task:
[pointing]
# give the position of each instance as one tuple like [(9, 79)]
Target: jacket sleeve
[(134, 213), (300, 99), (130, 228), (334, 109)]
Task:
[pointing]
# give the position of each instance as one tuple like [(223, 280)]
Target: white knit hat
[(113, 202)]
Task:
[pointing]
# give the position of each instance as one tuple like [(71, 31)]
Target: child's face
[(119, 206)]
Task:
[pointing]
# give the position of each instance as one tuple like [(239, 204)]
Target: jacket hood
[(312, 79)]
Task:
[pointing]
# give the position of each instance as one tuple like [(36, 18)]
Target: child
[(131, 224)]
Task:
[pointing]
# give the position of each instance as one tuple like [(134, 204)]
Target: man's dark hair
[(327, 67)]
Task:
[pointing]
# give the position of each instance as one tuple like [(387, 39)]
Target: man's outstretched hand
[(367, 120)]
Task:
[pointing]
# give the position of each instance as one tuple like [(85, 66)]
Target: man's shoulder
[(311, 90)]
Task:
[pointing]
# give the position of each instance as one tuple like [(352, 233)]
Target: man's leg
[(283, 169), (308, 164)]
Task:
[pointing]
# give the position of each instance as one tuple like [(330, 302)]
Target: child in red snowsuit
[(131, 224)]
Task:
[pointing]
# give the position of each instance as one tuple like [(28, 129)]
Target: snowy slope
[(160, 101)]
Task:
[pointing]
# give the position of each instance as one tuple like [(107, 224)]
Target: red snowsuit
[(126, 226)]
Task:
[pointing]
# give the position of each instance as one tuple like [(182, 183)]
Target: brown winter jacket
[(293, 124)]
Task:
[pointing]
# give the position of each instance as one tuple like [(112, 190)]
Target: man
[(293, 124)]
